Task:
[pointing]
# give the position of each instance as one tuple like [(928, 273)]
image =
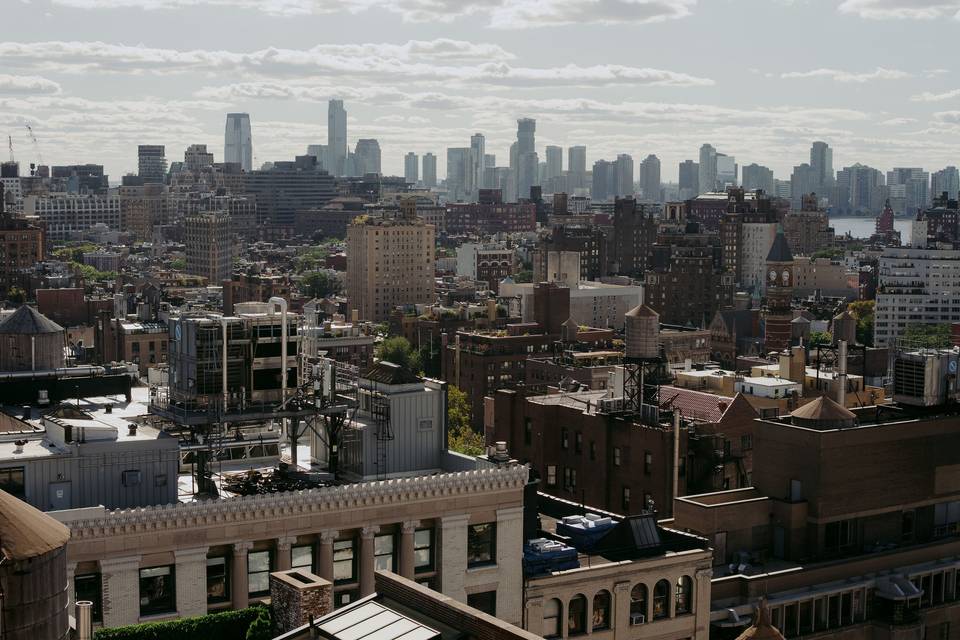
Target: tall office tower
[(554, 161), (624, 175), (916, 183), (197, 158), (237, 141), (650, 178), (210, 245), (475, 163), (726, 171), (410, 168), (821, 163), (286, 188), (457, 167), (151, 162), (336, 138), (577, 159), (859, 190), (390, 262), (947, 180), (526, 136), (525, 160), (803, 182), (689, 182), (528, 174), (708, 169), (367, 156), (756, 176), (604, 181), (429, 170), (489, 160)]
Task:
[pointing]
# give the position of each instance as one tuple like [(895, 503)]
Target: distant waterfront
[(864, 227)]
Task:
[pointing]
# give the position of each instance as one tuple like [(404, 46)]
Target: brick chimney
[(298, 597)]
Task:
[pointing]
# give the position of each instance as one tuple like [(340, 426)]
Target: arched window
[(601, 610), (661, 595), (551, 619), (684, 600), (638, 604), (577, 616)]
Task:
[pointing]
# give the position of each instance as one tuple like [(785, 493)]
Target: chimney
[(298, 598), (132, 429), (84, 620)]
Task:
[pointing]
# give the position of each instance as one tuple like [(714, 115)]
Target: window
[(218, 580), (551, 475), (551, 619), (616, 456), (746, 442), (88, 586), (301, 557), (383, 552), (578, 442), (647, 462), (625, 500), (569, 478), (661, 593), (11, 481), (344, 565), (482, 544), (485, 601), (527, 431), (638, 604), (157, 591), (601, 610), (838, 535), (684, 595), (258, 572), (577, 616), (423, 550), (564, 439)]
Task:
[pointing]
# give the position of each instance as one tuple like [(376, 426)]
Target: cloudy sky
[(759, 79)]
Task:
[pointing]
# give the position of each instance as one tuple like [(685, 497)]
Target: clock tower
[(779, 280)]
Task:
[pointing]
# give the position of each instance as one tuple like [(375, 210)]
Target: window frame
[(95, 578), (270, 560), (7, 482), (487, 556), (169, 604), (313, 558), (226, 597), (431, 564), (352, 542), (391, 554)]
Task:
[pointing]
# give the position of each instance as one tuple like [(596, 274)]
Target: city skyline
[(430, 80)]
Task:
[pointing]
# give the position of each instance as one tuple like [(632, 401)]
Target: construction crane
[(36, 145), (10, 146)]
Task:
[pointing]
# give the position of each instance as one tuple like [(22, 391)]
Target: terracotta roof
[(28, 321), (823, 409), (26, 532), (694, 404)]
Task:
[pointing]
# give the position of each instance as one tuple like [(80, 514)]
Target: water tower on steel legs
[(643, 359)]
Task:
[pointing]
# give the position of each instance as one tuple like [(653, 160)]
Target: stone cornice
[(248, 509)]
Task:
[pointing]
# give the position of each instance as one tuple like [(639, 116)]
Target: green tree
[(460, 435), (262, 627), (820, 338), (398, 351), (523, 276), (178, 263), (862, 310), (16, 295), (430, 360), (928, 335), (320, 284)]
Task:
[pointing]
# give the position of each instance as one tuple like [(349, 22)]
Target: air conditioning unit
[(637, 618)]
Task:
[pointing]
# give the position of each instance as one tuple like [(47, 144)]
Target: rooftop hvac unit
[(926, 378)]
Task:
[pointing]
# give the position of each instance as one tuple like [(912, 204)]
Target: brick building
[(21, 247), (489, 216)]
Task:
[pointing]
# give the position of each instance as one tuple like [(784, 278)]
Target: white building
[(237, 141), (67, 215), (757, 238), (594, 304), (915, 286)]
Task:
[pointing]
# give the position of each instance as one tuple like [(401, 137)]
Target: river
[(864, 227)]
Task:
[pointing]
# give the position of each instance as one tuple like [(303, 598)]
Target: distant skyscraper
[(726, 171), (624, 175), (429, 170), (237, 141), (650, 178), (336, 137), (689, 182), (946, 180), (803, 181), (197, 158), (708, 169), (527, 162), (554, 162), (757, 176), (367, 156), (410, 162), (577, 167), (916, 183), (859, 190), (151, 162), (526, 136), (489, 161), (478, 146), (821, 163), (457, 167), (604, 183)]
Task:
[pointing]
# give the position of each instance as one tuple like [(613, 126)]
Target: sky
[(758, 79)]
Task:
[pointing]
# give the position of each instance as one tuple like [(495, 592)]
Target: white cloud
[(950, 117), (897, 122), (927, 96), (902, 9), (839, 75), (27, 85), (502, 14), (437, 60)]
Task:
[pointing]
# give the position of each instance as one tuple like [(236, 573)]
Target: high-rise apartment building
[(475, 166), (726, 171), (650, 178), (554, 161), (410, 168), (390, 262), (237, 141), (458, 165), (151, 162), (803, 182), (916, 187), (707, 180), (336, 138), (915, 286), (196, 158), (757, 176), (429, 175), (947, 180), (527, 162), (821, 165), (21, 247), (576, 167), (288, 187), (211, 245), (689, 179), (624, 175), (859, 190), (367, 156)]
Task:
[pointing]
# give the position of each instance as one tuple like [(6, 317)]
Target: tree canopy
[(398, 351), (460, 435)]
